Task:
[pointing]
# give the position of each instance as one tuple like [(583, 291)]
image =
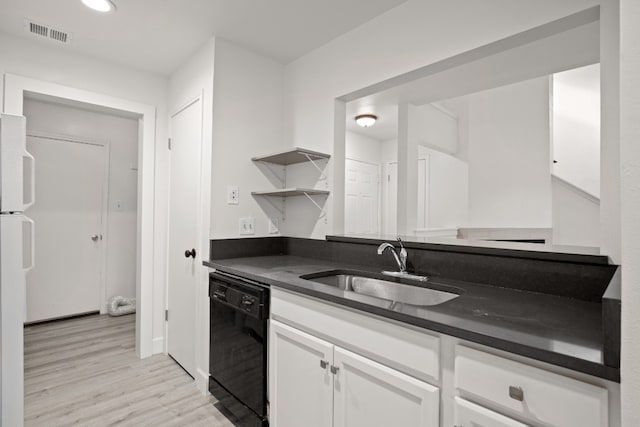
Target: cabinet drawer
[(407, 350), (533, 394), (468, 414)]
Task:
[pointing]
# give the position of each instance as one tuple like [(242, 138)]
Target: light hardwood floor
[(84, 372)]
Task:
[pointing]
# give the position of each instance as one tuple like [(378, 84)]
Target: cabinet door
[(468, 414), (368, 394), (300, 381)]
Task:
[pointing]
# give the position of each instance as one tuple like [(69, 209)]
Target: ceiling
[(158, 35)]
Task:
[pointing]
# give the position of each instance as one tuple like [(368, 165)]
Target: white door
[(184, 216), (361, 192), (368, 394), (300, 380), (391, 208), (70, 188), (468, 414)]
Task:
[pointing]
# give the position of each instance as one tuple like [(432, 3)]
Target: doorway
[(16, 89), (86, 197)]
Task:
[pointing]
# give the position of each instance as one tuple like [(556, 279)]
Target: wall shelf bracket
[(323, 213), (313, 162)]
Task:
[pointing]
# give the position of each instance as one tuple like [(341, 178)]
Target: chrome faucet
[(401, 259)]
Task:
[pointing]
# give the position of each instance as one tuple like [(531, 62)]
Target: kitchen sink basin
[(393, 291)]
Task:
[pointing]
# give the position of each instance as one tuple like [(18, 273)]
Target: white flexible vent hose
[(119, 306)]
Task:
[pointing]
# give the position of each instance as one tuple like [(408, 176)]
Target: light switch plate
[(273, 225), (233, 195), (248, 225)]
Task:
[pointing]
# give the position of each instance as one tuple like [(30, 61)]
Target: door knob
[(190, 253), (95, 237)]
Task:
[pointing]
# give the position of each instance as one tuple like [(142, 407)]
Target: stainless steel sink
[(392, 291)]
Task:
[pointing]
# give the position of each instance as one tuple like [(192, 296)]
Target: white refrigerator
[(17, 185)]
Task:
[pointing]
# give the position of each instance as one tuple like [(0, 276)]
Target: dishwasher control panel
[(240, 296)]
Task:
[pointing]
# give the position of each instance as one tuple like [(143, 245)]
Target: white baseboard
[(158, 345), (202, 381)]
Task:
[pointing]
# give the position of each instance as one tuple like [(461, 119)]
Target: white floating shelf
[(291, 192), (293, 156)]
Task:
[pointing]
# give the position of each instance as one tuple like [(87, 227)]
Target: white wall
[(409, 36), (576, 127), (122, 135), (64, 67), (461, 107), (247, 122), (630, 163), (610, 187), (437, 128), (363, 148), (509, 165), (576, 217), (448, 190)]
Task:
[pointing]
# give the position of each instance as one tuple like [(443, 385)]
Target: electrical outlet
[(273, 225), (248, 225), (233, 195)]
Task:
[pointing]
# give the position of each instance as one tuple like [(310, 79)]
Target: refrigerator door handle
[(32, 184), (32, 249)]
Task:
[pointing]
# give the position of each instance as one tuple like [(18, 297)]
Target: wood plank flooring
[(84, 372)]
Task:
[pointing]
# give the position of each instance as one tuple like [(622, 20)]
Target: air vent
[(46, 32), (39, 30), (58, 35)]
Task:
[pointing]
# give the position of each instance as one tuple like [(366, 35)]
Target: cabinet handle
[(516, 393), (324, 364), (334, 369)]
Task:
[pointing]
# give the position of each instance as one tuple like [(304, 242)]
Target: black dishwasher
[(239, 311)]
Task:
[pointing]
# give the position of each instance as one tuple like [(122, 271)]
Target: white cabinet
[(389, 374), (315, 383), (468, 414), (368, 394), (300, 381), (529, 393)]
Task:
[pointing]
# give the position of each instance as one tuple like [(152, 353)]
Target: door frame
[(104, 226), (386, 183), (199, 231), (15, 88)]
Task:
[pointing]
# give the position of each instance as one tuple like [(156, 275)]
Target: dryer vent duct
[(46, 32)]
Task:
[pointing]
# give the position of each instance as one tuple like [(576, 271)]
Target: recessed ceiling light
[(366, 120), (100, 5)]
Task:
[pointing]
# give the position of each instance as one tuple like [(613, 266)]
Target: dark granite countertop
[(554, 329)]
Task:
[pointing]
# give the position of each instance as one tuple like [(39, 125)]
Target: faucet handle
[(400, 241)]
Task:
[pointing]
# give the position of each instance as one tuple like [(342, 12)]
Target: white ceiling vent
[(45, 32)]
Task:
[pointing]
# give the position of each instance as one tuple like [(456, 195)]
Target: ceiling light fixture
[(100, 5), (366, 120)]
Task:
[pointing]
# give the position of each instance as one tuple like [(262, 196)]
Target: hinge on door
[(166, 315), (169, 143)]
